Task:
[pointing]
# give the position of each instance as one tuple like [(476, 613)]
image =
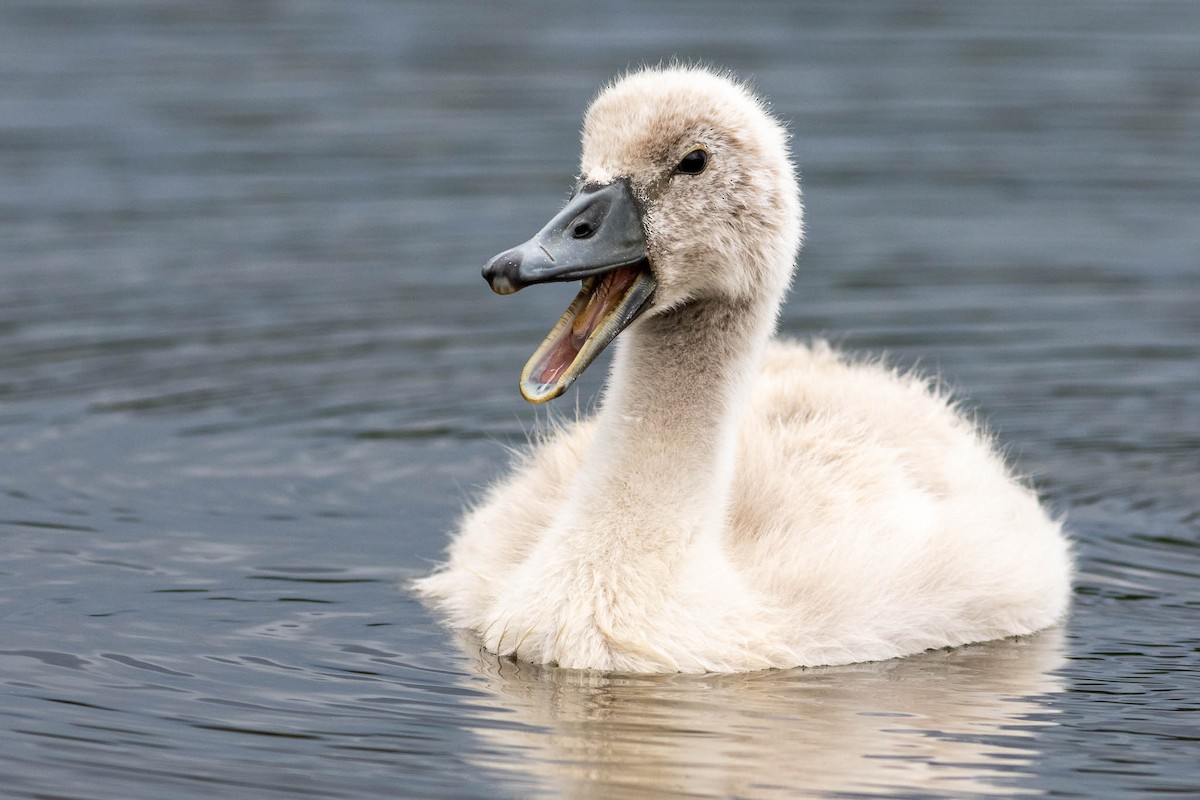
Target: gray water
[(249, 375)]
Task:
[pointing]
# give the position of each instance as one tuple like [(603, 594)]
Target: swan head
[(685, 193)]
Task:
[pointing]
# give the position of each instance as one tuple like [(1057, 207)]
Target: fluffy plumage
[(740, 503)]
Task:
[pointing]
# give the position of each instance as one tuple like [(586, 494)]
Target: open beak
[(597, 238)]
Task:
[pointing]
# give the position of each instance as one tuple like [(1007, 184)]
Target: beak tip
[(539, 393), (503, 272), (502, 285)]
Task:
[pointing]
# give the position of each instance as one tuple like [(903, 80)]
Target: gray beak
[(598, 230), (598, 239)]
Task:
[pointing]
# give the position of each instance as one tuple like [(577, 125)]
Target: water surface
[(249, 375)]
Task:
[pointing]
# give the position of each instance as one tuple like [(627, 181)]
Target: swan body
[(738, 502)]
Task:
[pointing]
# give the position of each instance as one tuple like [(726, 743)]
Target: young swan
[(738, 503)]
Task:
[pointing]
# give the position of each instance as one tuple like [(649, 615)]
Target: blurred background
[(249, 374)]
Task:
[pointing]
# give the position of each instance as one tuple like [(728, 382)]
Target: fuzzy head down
[(730, 231)]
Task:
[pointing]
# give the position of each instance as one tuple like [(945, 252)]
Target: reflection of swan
[(943, 723), (737, 504)]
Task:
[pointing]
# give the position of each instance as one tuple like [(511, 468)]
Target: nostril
[(588, 220)]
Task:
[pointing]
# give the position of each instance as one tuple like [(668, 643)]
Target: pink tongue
[(605, 296), (557, 360)]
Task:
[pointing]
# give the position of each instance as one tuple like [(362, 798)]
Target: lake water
[(249, 374)]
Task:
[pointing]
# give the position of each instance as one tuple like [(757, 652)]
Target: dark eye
[(694, 162)]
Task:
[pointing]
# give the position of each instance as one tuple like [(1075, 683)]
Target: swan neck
[(662, 465)]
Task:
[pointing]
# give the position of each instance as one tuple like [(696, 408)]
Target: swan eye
[(694, 162)]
